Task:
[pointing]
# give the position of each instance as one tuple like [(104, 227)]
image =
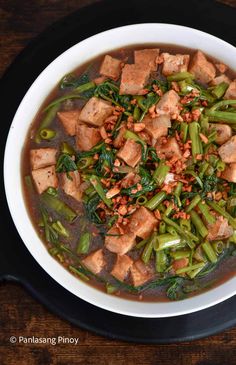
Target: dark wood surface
[(20, 314)]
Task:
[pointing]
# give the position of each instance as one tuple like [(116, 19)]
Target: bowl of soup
[(125, 163)]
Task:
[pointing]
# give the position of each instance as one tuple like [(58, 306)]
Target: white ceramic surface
[(69, 60)]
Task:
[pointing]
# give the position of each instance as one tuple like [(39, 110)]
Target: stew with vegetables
[(129, 172)]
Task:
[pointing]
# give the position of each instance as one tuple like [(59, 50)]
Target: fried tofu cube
[(203, 70), (45, 178), (133, 79), (142, 222), (168, 104), (223, 132), (140, 273), (69, 120), (119, 243), (227, 151), (169, 149), (222, 78), (70, 183), (147, 57), (86, 137), (131, 152), (231, 91), (219, 230), (42, 157), (122, 266), (95, 111), (174, 63), (95, 261), (157, 127), (229, 173), (111, 67)]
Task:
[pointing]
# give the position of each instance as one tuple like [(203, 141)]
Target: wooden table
[(20, 314)]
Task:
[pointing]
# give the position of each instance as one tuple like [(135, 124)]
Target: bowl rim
[(18, 208)]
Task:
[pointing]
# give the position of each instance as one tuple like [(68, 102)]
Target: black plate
[(16, 263)]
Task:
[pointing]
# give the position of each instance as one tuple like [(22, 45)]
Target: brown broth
[(220, 275)]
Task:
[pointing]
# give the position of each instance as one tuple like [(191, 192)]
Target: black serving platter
[(16, 263)]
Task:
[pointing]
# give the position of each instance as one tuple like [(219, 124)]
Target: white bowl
[(42, 86)]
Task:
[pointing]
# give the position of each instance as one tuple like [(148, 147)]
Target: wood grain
[(20, 314)]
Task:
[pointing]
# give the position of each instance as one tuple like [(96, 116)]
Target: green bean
[(169, 209), (166, 240), (111, 288), (196, 144), (186, 86), (58, 206), (219, 90), (203, 168), (180, 76), (204, 209), (218, 247), (198, 223), (56, 103), (155, 200), (210, 253), (184, 131), (94, 180), (79, 273), (140, 99), (161, 261), (177, 192), (185, 224), (84, 243), (219, 116), (136, 113), (190, 238), (58, 226), (223, 103), (141, 200), (171, 230), (192, 274), (142, 243), (85, 162), (222, 212), (189, 268), (66, 148), (193, 203), (146, 255), (220, 166), (180, 254), (46, 121), (160, 173), (204, 123), (85, 87), (213, 160), (162, 227), (47, 133)]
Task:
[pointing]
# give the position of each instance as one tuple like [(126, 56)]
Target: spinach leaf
[(65, 163), (91, 209)]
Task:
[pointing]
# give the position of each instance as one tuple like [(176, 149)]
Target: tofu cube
[(45, 178), (119, 243), (229, 173), (224, 132), (203, 70), (133, 79), (42, 157), (174, 63), (131, 152), (111, 67), (95, 261), (86, 137), (95, 111), (69, 120), (169, 149), (157, 127), (140, 273), (231, 91), (219, 230), (168, 104), (142, 222), (71, 184), (122, 266), (227, 151), (147, 57)]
